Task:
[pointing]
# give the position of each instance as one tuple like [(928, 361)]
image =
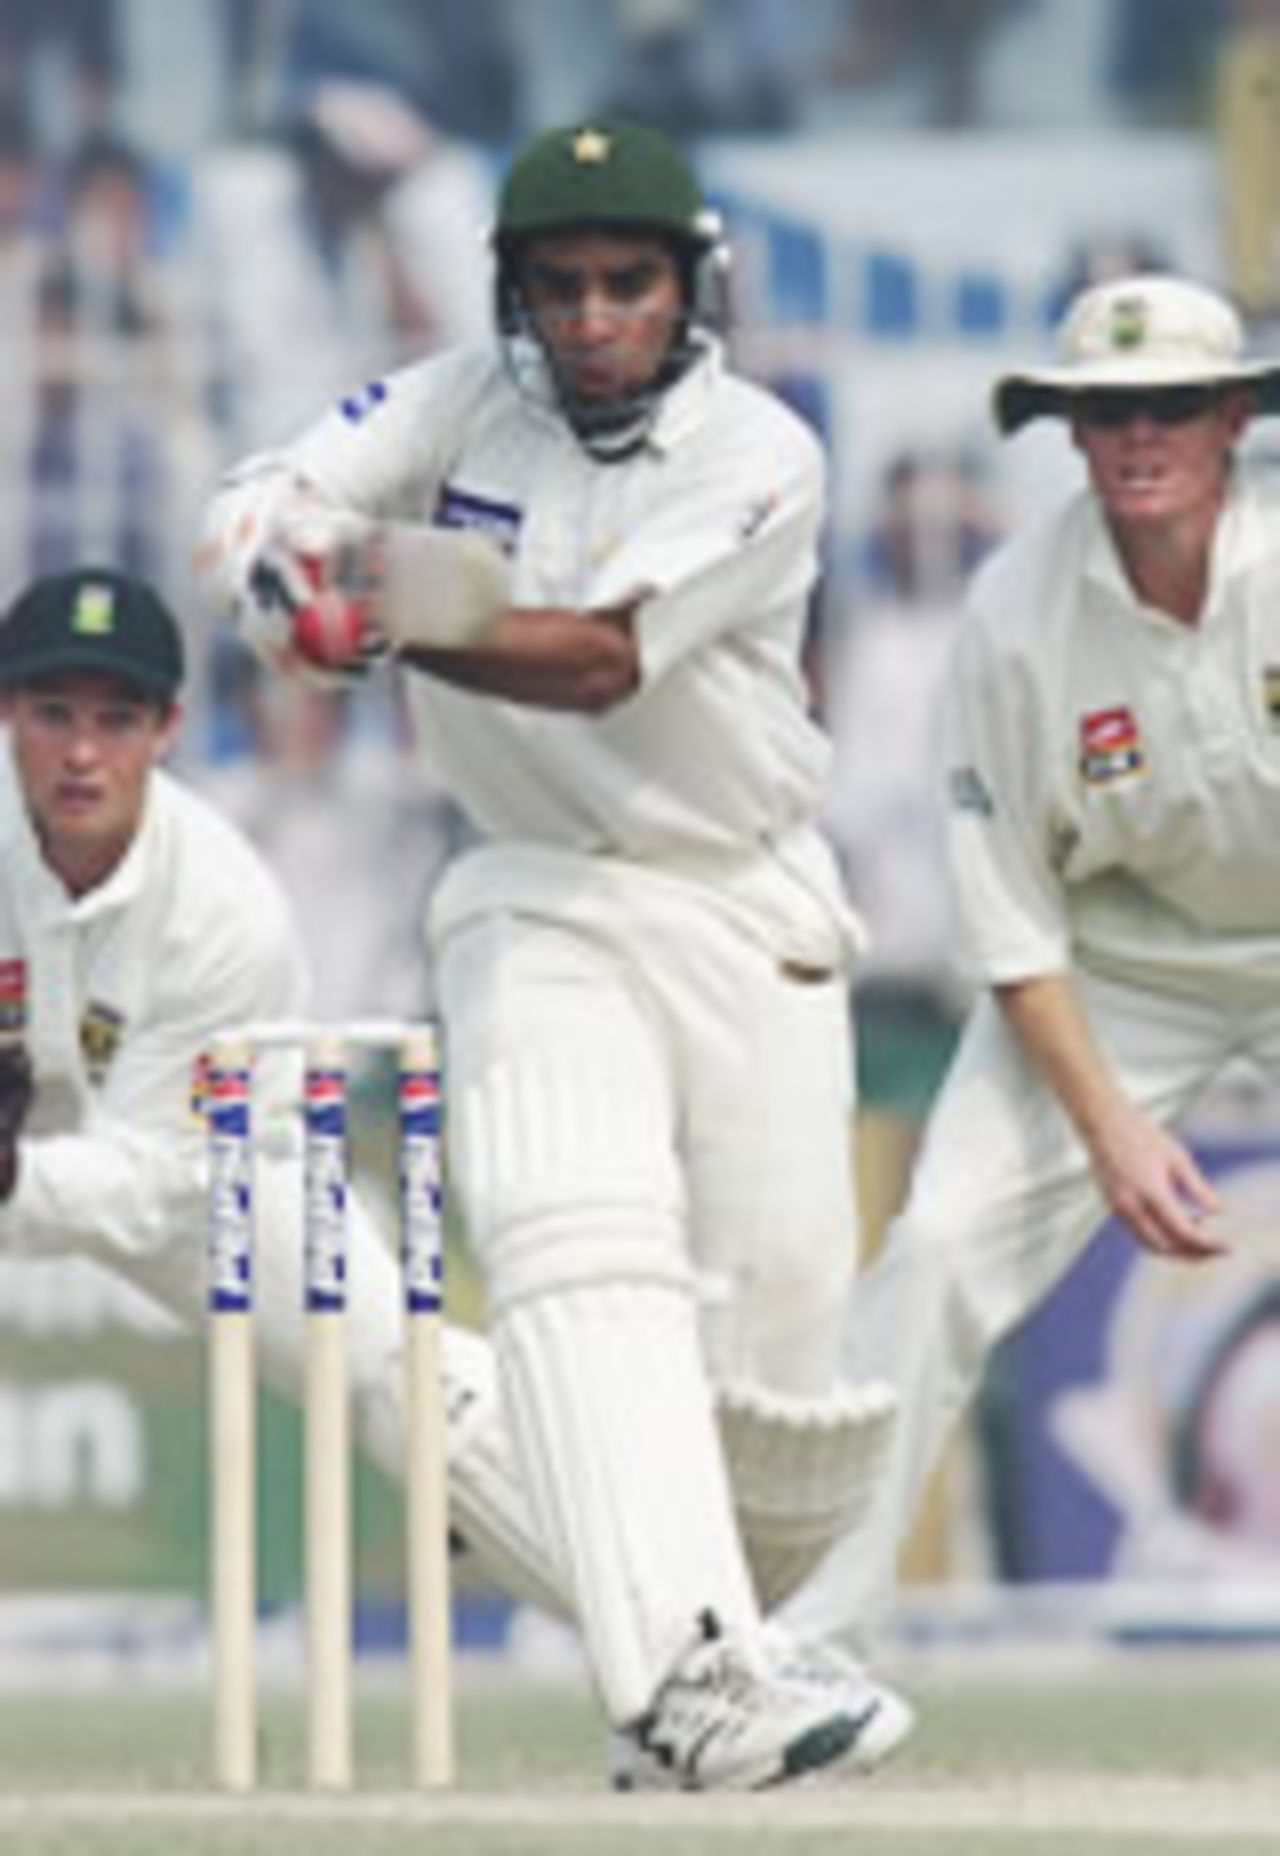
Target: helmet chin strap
[(611, 430)]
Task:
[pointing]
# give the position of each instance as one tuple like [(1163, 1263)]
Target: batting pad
[(490, 1515), (612, 1417), (489, 1508), (802, 1471)]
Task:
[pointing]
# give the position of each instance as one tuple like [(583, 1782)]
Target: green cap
[(92, 621), (603, 174)]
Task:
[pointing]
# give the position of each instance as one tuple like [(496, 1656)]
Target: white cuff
[(441, 587)]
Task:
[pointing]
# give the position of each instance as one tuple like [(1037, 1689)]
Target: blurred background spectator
[(105, 442), (347, 240), (1094, 260), (1160, 55), (61, 60), (24, 231), (934, 520), (701, 67), (454, 60), (939, 41), (348, 821), (95, 468)]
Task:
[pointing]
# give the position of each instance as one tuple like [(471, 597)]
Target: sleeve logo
[(970, 792)]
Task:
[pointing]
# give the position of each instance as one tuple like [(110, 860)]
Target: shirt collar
[(1239, 535), (684, 405)]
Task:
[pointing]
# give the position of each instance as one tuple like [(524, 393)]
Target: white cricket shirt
[(715, 761), (1114, 776), (125, 986)]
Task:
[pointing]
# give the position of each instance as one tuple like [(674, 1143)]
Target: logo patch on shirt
[(13, 999), (358, 406), (1271, 693), (101, 1029), (1109, 746), (198, 1100), (464, 509)]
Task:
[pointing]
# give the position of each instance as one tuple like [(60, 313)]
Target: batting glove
[(311, 586)]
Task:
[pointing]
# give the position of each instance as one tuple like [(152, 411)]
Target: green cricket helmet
[(613, 177), (618, 175)]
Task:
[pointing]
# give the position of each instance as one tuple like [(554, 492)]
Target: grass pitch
[(1128, 1755)]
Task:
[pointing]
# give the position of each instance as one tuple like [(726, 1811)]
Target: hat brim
[(1049, 392), (37, 666)]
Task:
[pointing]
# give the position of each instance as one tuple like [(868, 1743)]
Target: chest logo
[(100, 1033), (1110, 748), (458, 508)]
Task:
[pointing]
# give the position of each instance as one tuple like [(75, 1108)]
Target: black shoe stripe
[(819, 1747)]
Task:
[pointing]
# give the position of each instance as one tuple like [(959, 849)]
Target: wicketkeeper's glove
[(17, 1087)]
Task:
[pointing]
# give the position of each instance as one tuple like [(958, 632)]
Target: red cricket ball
[(329, 631)]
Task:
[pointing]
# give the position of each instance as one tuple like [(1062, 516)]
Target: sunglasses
[(1112, 407)]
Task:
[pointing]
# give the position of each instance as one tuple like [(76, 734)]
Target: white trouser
[(1002, 1202), (629, 1118), (754, 1068)]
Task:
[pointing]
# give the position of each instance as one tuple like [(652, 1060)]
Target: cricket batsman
[(590, 547)]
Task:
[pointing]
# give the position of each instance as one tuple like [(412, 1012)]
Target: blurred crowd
[(214, 218), (163, 314)]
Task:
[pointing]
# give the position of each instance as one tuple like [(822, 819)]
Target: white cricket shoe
[(716, 1725), (883, 1717)]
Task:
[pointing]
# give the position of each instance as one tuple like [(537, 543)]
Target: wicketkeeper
[(135, 922), (592, 547)]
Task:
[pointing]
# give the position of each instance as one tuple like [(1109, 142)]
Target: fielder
[(592, 547), (1113, 765), (134, 924)]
